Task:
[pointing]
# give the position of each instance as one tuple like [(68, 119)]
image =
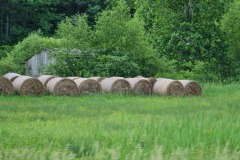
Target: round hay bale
[(152, 80), (164, 78), (168, 87), (11, 76), (6, 86), (45, 78), (140, 86), (73, 78), (191, 88), (62, 86), (115, 85), (87, 85), (99, 79), (26, 85)]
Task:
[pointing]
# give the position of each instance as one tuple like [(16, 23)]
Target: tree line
[(18, 18), (174, 39)]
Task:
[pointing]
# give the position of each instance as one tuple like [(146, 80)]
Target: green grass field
[(105, 126)]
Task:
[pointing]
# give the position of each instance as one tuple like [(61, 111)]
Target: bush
[(32, 45), (121, 66), (70, 63), (87, 63), (4, 50), (7, 65), (200, 71)]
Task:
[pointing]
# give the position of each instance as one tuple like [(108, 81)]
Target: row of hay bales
[(72, 86)]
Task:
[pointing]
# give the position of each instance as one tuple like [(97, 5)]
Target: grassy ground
[(122, 127)]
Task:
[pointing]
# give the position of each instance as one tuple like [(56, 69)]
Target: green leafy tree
[(117, 30), (187, 31), (76, 31), (117, 44), (19, 18), (231, 26)]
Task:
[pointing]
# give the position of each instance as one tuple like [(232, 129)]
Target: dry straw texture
[(62, 86), (99, 79), (168, 87), (26, 85), (45, 78), (6, 86), (152, 80), (87, 85), (191, 88), (115, 85), (11, 76), (140, 86)]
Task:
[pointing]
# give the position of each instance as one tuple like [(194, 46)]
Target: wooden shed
[(36, 65)]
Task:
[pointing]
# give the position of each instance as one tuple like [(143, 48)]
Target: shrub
[(7, 65), (4, 50), (32, 45), (121, 66), (87, 63), (200, 71)]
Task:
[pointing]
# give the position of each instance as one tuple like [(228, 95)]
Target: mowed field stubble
[(113, 126)]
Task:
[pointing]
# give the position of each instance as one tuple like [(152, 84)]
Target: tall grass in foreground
[(114, 154), (122, 127)]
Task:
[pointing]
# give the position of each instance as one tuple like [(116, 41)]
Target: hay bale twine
[(99, 79), (45, 79), (168, 87), (26, 85), (73, 78), (115, 85), (140, 86), (6, 86), (191, 88), (11, 76), (87, 85), (62, 86)]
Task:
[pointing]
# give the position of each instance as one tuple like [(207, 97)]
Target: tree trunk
[(4, 21), (188, 11), (1, 24), (7, 25)]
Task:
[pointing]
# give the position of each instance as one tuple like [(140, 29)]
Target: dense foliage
[(175, 39), (230, 25), (115, 46), (188, 32), (25, 49), (18, 17)]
